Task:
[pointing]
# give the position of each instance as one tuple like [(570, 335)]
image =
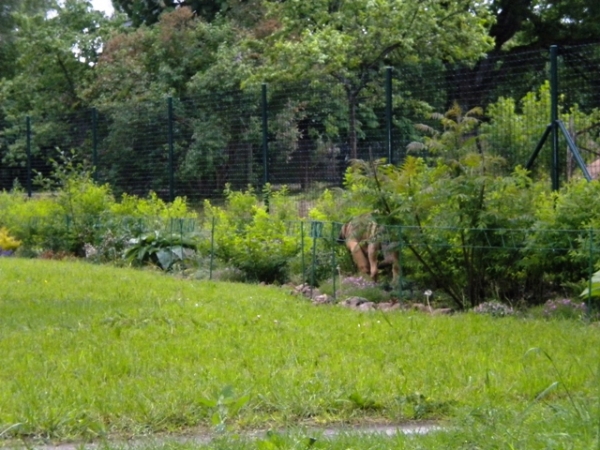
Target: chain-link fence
[(303, 135)]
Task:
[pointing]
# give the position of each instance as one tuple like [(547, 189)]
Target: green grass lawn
[(93, 351)]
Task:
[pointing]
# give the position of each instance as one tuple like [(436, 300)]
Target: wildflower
[(494, 308)]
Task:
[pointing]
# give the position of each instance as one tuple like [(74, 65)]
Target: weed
[(494, 309), (224, 407), (564, 309)]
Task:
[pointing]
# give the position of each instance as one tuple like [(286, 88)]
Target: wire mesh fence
[(465, 267), (304, 134)]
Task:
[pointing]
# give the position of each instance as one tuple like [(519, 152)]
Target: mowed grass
[(93, 351)]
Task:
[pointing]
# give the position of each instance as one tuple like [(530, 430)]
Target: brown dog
[(365, 240)]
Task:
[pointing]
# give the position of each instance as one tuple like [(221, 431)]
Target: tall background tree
[(147, 12), (55, 47), (351, 41), (323, 61), (526, 27), (8, 28)]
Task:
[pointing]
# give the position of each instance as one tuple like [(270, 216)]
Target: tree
[(54, 61), (524, 30), (151, 62), (148, 12), (351, 41), (8, 26), (541, 23), (182, 56)]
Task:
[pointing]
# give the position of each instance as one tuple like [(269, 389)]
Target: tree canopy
[(147, 12), (541, 23), (61, 63), (350, 41)]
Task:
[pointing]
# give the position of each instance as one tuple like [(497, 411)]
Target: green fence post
[(28, 150), (315, 233), (333, 261), (302, 254), (554, 115), (212, 249), (265, 133), (181, 233), (591, 274), (265, 140), (388, 114), (171, 151), (95, 144), (399, 250)]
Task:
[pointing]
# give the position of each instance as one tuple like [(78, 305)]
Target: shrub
[(454, 223), (152, 206), (8, 244), (564, 309), (80, 213), (250, 239), (494, 309)]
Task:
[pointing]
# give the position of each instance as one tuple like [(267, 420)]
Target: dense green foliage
[(450, 221), (324, 64), (252, 240), (81, 212)]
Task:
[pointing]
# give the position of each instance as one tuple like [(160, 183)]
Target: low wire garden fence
[(464, 266)]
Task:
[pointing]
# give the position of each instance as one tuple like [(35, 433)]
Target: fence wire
[(304, 134)]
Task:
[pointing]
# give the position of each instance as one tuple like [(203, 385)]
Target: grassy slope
[(90, 350)]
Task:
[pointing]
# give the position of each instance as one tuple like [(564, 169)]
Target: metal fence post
[(265, 140), (212, 249), (554, 115), (28, 150), (265, 133), (333, 260), (95, 144), (388, 114), (302, 247), (591, 273), (171, 151)]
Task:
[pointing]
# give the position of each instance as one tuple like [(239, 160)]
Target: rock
[(353, 302), (307, 291), (368, 306), (388, 306), (322, 299)]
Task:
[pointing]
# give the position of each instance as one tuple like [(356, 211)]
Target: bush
[(152, 206), (564, 309), (8, 244), (79, 213), (250, 239)]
